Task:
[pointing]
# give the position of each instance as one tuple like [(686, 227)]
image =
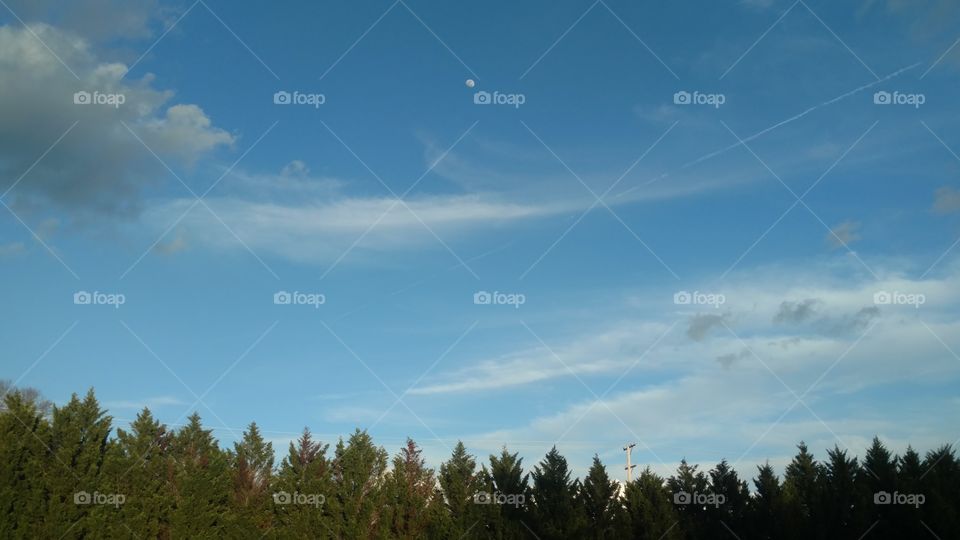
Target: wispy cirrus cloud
[(819, 320)]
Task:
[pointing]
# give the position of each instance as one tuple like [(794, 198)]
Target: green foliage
[(725, 482), (201, 484), (140, 462), (302, 494), (801, 489), (553, 508), (506, 479), (602, 507), (686, 484), (411, 499), (62, 475), (767, 508), (77, 445), (23, 503), (651, 514), (252, 461), (358, 471), (459, 482)]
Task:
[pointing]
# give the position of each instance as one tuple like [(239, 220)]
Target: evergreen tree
[(460, 483), (685, 486), (908, 520), (507, 479), (601, 503), (651, 514), (843, 505), (731, 514), (878, 479), (139, 466), (801, 490), (77, 444), (767, 505), (23, 431), (411, 497), (359, 468), (942, 507), (252, 474), (201, 485), (303, 493), (553, 507)]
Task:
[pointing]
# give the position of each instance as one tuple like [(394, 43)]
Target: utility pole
[(628, 448)]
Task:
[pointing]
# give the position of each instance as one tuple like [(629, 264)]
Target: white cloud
[(320, 230), (844, 310), (99, 167), (717, 411)]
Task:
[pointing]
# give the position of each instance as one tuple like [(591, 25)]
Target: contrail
[(775, 126)]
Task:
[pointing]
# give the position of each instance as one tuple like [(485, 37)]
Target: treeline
[(65, 476)]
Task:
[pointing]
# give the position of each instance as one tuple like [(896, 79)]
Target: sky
[(713, 229)]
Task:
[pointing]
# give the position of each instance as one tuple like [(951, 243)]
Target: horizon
[(281, 452)]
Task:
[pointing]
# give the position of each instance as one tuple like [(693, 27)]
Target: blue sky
[(788, 199)]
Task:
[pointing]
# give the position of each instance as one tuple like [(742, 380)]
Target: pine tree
[(411, 496), (506, 478), (909, 520), (767, 505), (553, 506), (252, 474), (601, 503), (201, 485), (460, 483), (940, 481), (731, 514), (23, 431), (801, 490), (686, 485), (651, 514), (878, 478), (359, 468), (843, 504), (77, 445), (139, 466), (303, 492)]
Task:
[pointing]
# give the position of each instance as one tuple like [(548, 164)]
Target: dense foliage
[(65, 476)]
